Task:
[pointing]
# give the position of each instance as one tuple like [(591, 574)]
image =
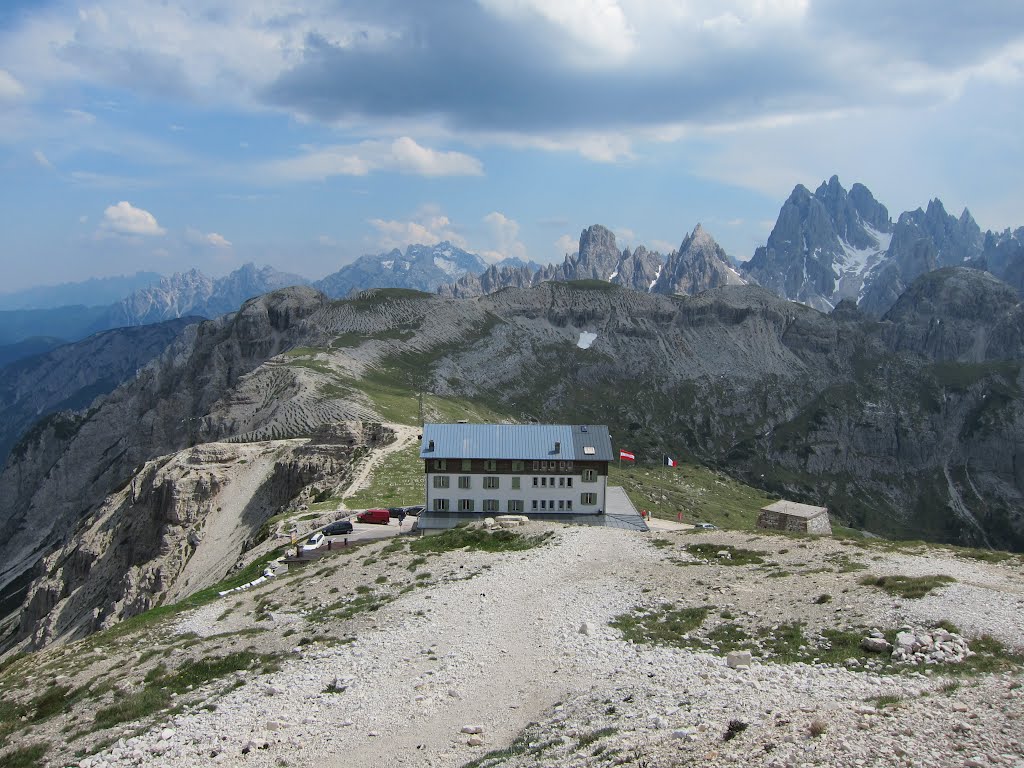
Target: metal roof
[(516, 441)]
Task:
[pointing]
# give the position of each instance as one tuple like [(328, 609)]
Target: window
[(552, 480), (535, 482), (588, 498), (543, 504), (465, 505), (467, 465), (465, 481), (490, 505), (490, 483), (515, 505), (588, 450), (561, 465), (441, 481), (544, 465), (515, 483), (440, 505), (491, 465), (568, 504), (441, 465), (536, 465), (518, 466), (535, 504), (568, 466), (561, 504), (589, 475), (561, 482), (544, 482), (568, 481)]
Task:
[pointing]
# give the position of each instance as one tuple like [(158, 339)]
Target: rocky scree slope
[(179, 526), (293, 672), (64, 469)]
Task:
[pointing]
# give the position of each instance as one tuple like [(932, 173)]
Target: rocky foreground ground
[(382, 656)]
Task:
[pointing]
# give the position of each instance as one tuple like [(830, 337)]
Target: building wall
[(551, 493), (777, 521)]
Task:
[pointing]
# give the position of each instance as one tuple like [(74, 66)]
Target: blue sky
[(142, 134)]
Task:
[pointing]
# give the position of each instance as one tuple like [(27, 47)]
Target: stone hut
[(796, 518)]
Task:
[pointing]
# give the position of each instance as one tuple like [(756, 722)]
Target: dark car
[(338, 528), (414, 510)]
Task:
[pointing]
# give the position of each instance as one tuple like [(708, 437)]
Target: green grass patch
[(909, 587), (886, 700), (702, 495), (664, 625), (594, 736), (26, 757), (737, 556), (397, 481), (134, 706), (464, 537)]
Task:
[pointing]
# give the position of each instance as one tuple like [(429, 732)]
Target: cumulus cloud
[(403, 155), (428, 227), (42, 159), (125, 219), (10, 88), (207, 238), (504, 237), (566, 245)]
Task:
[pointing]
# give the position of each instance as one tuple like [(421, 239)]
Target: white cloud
[(566, 244), (125, 219), (591, 26), (403, 155), (206, 238), (664, 247), (504, 234), (42, 159), (10, 89), (427, 227)]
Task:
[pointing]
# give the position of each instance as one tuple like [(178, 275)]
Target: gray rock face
[(193, 293), (823, 246), (142, 548), (493, 279), (421, 268), (698, 265), (1003, 256), (73, 375), (922, 241), (72, 462), (867, 417)]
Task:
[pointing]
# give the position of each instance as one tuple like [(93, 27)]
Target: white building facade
[(536, 469)]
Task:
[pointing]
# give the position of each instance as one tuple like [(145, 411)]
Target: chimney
[(558, 447)]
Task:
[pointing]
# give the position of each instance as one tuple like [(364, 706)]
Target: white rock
[(472, 729), (736, 659), (587, 628), (166, 733)]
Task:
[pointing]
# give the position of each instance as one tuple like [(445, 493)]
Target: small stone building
[(796, 518)]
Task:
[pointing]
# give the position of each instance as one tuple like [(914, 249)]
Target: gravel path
[(502, 648)]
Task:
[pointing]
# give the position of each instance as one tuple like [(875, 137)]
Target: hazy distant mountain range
[(825, 247)]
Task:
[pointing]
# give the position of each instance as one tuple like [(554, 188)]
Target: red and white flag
[(627, 455)]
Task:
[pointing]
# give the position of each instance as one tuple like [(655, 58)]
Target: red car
[(379, 516)]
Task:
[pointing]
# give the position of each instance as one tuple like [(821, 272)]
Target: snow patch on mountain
[(448, 266), (586, 339)]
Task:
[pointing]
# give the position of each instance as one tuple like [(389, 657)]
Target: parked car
[(414, 510), (314, 542), (705, 527), (378, 516), (338, 528)]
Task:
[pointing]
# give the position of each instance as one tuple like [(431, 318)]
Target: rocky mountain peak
[(699, 265)]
